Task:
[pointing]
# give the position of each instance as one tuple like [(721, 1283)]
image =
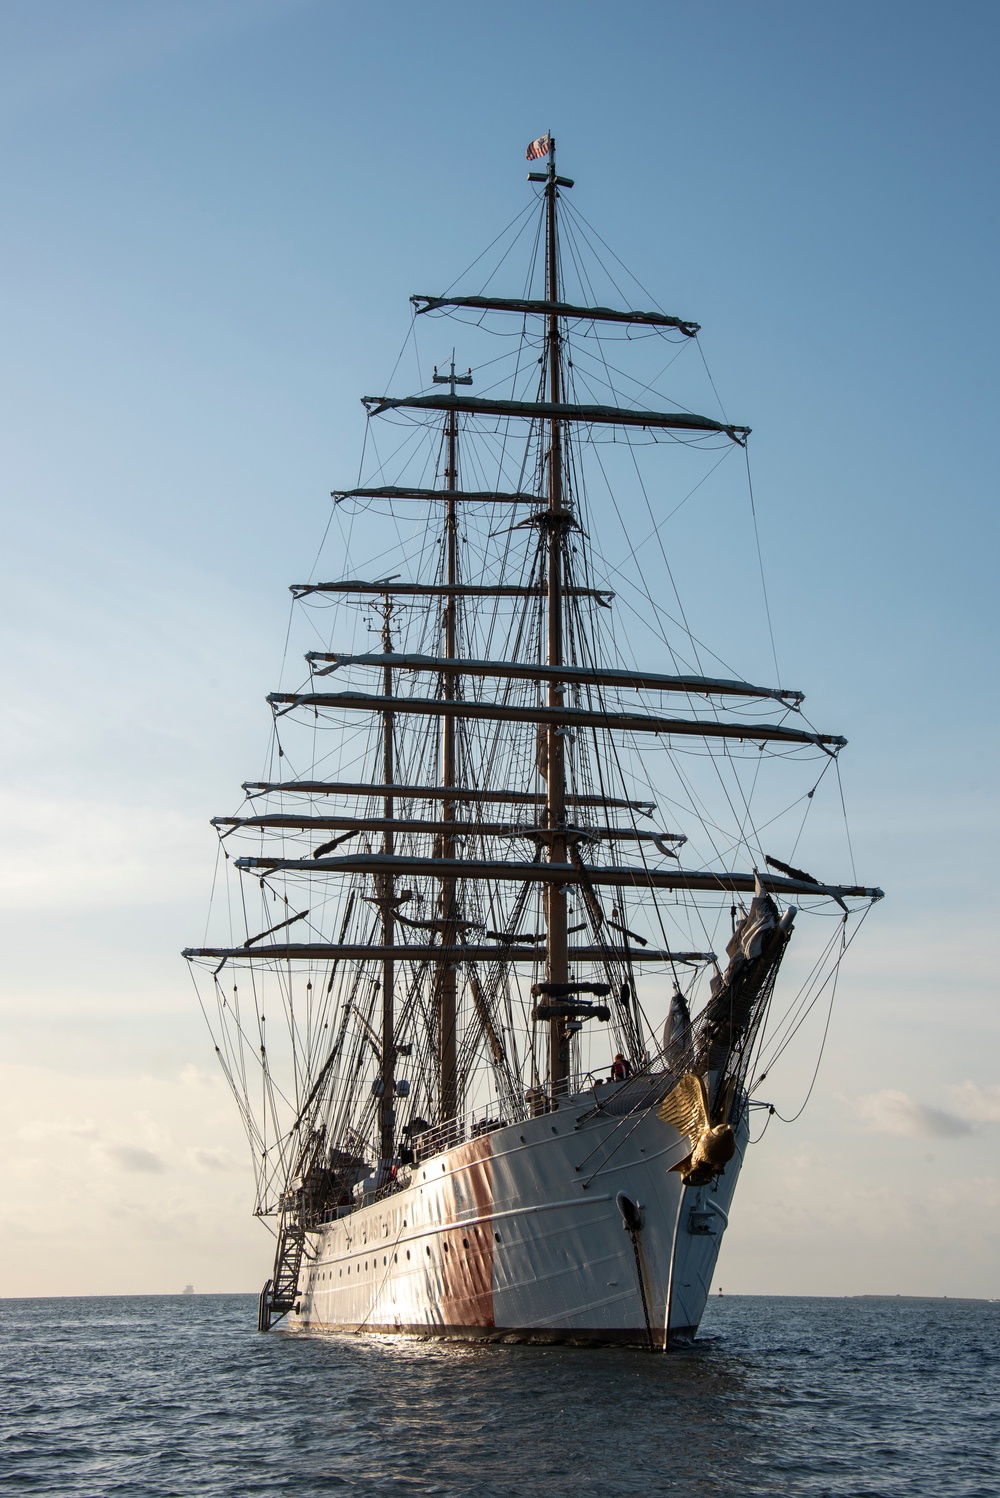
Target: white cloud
[(133, 1157), (981, 1104), (195, 1076), (892, 1112), (152, 1171), (213, 1159), (832, 1217)]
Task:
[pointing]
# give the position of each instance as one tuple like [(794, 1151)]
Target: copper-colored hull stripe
[(467, 1252)]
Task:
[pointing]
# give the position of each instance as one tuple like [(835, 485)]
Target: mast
[(386, 893), (556, 922), (447, 972)]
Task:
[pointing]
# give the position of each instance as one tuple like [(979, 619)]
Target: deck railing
[(479, 1121), (455, 1131), (583, 1089)]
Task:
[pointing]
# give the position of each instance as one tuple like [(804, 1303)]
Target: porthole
[(465, 1242), (446, 1248), (395, 1258), (407, 1253), (497, 1237), (428, 1250)]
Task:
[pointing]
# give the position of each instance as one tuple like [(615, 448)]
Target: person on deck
[(621, 1069)]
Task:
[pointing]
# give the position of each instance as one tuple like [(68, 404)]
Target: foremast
[(449, 913)]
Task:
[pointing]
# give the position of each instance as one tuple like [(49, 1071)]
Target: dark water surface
[(181, 1396)]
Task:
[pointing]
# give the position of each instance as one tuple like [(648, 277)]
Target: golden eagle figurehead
[(712, 1145)]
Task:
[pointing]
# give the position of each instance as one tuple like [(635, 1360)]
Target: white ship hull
[(519, 1234)]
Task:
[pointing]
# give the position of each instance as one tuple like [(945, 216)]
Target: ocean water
[(180, 1395)]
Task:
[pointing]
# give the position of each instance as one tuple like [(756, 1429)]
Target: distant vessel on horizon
[(496, 1080)]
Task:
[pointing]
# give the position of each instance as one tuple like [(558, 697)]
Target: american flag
[(539, 147)]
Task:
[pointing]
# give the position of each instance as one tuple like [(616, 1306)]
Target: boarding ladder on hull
[(280, 1293)]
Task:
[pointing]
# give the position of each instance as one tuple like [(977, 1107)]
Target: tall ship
[(497, 943)]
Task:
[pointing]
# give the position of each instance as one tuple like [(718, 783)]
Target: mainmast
[(387, 907), (554, 521), (447, 973)]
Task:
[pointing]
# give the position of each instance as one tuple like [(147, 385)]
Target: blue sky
[(214, 215)]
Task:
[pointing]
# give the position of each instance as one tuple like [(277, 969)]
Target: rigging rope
[(822, 1044), (760, 563)]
